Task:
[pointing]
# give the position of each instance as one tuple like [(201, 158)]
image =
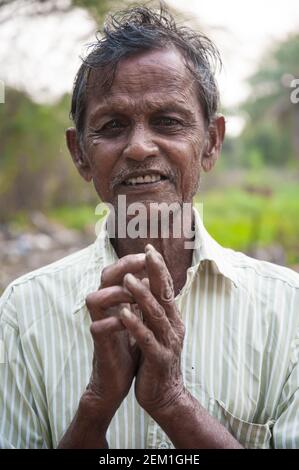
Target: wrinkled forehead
[(157, 72)]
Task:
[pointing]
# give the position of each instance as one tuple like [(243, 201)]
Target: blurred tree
[(36, 171), (97, 8), (273, 125), (10, 8)]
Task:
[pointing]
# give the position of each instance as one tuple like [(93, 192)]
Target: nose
[(140, 145)]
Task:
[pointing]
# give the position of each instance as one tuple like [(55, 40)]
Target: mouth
[(143, 181)]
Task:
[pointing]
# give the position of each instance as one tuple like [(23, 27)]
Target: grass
[(240, 220), (78, 218)]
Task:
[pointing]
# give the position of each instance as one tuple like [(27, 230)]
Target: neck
[(177, 257)]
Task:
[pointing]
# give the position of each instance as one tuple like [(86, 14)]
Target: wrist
[(171, 409), (96, 411), (189, 425), (89, 425), (170, 415)]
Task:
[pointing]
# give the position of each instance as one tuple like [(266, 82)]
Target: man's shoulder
[(67, 263), (259, 270), (269, 291), (45, 286)]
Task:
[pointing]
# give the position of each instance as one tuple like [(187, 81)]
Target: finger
[(113, 274), (99, 301), (143, 336), (159, 277), (153, 312), (145, 281), (101, 330), (161, 284)]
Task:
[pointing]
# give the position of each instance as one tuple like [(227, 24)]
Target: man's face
[(146, 138)]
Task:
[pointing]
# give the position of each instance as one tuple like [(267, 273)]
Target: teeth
[(144, 179)]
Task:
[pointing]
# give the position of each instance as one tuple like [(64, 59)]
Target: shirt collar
[(209, 250), (102, 254)]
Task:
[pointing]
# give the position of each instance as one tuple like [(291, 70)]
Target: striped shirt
[(240, 356)]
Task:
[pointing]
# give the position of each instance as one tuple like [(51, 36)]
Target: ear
[(78, 154), (215, 138)]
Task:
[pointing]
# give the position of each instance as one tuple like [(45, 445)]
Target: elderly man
[(142, 342)]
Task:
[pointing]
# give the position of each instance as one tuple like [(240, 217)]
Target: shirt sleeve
[(20, 426), (285, 433)]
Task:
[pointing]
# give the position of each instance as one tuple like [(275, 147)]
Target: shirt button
[(163, 445)]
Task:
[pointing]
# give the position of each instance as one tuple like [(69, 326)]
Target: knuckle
[(159, 312), (104, 275), (178, 348), (96, 299), (99, 334), (173, 341), (90, 300), (102, 297), (149, 338), (94, 330), (167, 294), (122, 263), (181, 330)]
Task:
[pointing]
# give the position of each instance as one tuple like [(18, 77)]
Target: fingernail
[(149, 247), (152, 254), (130, 278), (125, 313)]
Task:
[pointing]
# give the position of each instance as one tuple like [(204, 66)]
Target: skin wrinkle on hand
[(166, 284)]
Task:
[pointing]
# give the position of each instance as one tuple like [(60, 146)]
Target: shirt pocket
[(250, 435)]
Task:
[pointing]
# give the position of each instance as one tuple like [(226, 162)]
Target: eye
[(166, 121), (113, 125)]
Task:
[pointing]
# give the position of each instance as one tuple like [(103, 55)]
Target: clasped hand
[(154, 358)]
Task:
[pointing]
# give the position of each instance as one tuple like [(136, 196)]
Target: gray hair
[(142, 28)]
